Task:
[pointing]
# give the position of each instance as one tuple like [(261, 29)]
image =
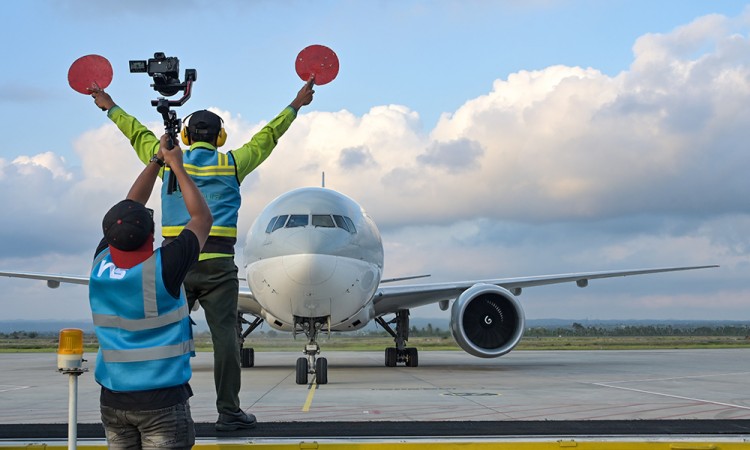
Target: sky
[(486, 139)]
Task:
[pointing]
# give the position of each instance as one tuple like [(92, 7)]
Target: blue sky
[(428, 55), (485, 138)]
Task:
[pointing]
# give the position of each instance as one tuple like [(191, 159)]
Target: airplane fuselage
[(313, 253)]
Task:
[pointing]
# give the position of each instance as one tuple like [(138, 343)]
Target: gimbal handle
[(172, 123), (172, 129)]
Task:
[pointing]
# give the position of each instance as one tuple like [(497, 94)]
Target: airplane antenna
[(323, 181)]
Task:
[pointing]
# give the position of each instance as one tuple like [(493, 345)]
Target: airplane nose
[(315, 241), (309, 269)]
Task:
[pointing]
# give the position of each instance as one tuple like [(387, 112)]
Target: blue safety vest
[(145, 338), (215, 175)]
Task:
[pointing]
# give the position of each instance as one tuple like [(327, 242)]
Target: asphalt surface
[(527, 393)]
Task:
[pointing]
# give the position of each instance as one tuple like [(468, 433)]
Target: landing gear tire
[(321, 371), (412, 357), (302, 370), (391, 356), (400, 353), (247, 357)]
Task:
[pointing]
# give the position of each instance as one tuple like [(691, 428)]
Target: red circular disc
[(89, 70), (317, 60)]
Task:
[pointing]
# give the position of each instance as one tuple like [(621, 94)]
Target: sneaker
[(235, 421)]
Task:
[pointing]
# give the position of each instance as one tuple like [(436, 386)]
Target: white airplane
[(314, 262)]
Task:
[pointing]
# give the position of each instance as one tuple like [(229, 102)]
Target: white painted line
[(10, 387), (673, 396)]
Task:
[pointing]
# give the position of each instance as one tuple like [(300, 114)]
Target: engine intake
[(487, 321)]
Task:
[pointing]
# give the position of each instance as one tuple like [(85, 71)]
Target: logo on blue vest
[(115, 272)]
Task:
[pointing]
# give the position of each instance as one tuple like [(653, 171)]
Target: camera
[(165, 72)]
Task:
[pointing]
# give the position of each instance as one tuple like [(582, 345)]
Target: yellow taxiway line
[(311, 388)]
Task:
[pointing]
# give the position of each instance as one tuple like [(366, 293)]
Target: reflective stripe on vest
[(198, 171), (112, 321), (215, 231), (148, 354)]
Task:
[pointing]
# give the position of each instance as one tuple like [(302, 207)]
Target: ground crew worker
[(141, 317)]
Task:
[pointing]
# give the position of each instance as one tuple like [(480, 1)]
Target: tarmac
[(451, 394)]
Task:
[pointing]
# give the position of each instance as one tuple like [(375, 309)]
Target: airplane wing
[(389, 299), (246, 298), (53, 279), (246, 293)]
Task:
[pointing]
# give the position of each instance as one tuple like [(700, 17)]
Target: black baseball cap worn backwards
[(205, 123), (129, 230)]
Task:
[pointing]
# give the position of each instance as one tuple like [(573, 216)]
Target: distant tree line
[(575, 330), (26, 335)]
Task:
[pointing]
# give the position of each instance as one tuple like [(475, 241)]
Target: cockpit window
[(320, 220), (352, 228), (341, 223), (276, 223), (298, 220), (269, 228), (280, 223)]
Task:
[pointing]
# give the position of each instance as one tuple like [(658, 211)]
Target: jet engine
[(487, 321)]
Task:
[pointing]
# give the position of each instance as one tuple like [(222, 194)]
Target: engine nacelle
[(487, 321)]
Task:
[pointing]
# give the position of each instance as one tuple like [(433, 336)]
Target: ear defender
[(221, 138), (184, 132)]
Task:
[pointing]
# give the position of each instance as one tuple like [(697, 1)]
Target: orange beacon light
[(70, 349)]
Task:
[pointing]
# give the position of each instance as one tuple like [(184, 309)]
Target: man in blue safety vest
[(141, 317)]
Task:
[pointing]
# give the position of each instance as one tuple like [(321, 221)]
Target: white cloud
[(30, 165), (562, 143), (52, 207)]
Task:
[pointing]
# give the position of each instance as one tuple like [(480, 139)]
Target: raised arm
[(253, 153), (144, 142), (144, 184)]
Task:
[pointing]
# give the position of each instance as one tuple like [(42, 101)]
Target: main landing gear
[(247, 354), (400, 353), (309, 364)]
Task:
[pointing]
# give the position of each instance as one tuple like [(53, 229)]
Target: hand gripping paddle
[(89, 71), (317, 60)]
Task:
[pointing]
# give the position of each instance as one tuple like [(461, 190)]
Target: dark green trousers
[(214, 284)]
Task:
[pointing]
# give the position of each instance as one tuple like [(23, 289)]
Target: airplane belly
[(313, 285)]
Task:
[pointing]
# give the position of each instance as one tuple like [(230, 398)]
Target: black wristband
[(158, 161)]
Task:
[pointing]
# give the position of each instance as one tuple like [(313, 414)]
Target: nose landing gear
[(310, 364)]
